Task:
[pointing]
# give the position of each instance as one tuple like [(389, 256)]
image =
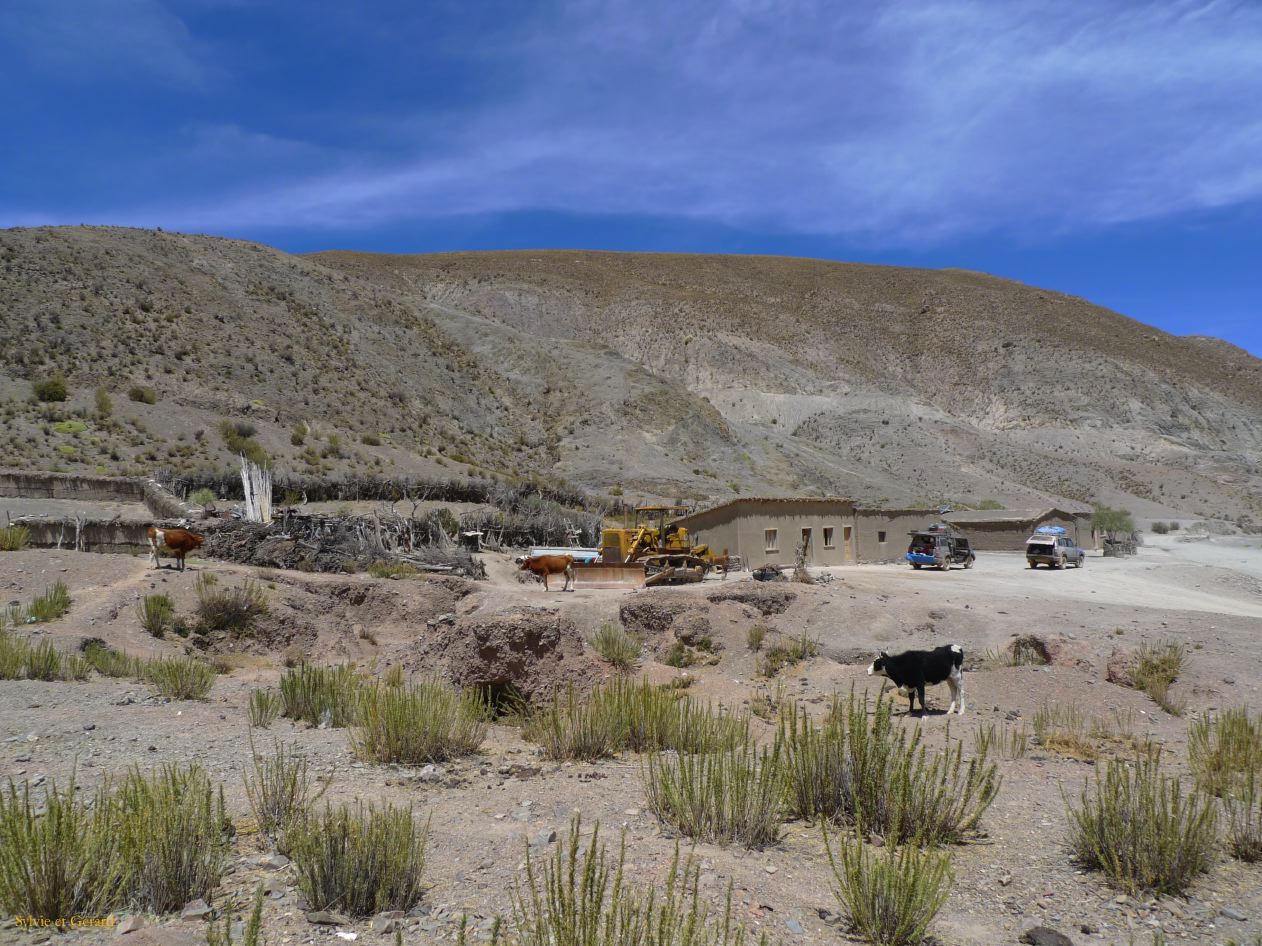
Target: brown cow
[(545, 565), (179, 541)]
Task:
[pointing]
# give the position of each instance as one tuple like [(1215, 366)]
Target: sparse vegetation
[(1066, 730), (51, 605), (321, 695), (1138, 827), (104, 403), (1160, 528), (725, 797), (222, 935), (22, 660), (142, 395), (1225, 750), (156, 613), (616, 645), (890, 898), (202, 497), (1008, 744), (573, 729), (113, 663), (238, 437), (428, 722), (788, 654), (234, 609), (14, 538), (280, 790), (359, 861)]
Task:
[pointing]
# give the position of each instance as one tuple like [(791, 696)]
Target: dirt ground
[(1206, 594)]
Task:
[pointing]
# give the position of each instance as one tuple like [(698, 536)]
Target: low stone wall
[(131, 489), (87, 536)]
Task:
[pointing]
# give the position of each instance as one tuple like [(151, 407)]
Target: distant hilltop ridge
[(644, 374)]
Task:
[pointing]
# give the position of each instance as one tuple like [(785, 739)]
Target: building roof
[(765, 499), (1003, 515)]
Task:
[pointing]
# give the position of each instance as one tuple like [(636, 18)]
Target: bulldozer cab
[(649, 531)]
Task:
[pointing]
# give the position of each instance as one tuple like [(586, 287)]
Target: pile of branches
[(322, 543), (537, 522)]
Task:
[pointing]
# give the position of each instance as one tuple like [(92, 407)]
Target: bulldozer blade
[(604, 575)]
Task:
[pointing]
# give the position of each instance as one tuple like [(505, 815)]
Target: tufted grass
[(1224, 749), (180, 678), (234, 609), (616, 645), (263, 709), (156, 613), (14, 538), (280, 790)]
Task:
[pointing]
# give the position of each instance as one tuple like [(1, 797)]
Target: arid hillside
[(665, 375)]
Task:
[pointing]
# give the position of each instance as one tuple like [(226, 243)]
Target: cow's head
[(522, 561), (878, 667)]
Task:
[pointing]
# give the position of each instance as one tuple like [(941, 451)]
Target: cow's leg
[(153, 552), (179, 558), (954, 687), (957, 675), (545, 579), (569, 578), (920, 691)]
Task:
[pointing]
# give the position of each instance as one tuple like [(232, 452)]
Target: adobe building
[(768, 530)]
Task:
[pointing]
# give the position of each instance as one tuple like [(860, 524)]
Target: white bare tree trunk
[(256, 482)]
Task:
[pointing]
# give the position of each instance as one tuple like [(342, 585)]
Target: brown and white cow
[(545, 565), (179, 541)]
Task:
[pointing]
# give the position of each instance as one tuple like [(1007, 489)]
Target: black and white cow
[(913, 670)]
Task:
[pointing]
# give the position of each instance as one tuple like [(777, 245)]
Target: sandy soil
[(1207, 594)]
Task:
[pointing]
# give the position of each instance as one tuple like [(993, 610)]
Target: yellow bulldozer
[(664, 549)]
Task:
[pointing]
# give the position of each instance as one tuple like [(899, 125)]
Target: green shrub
[(1224, 749), (1160, 528), (173, 835), (755, 636), (232, 609), (1008, 744), (50, 389), (867, 770), (318, 695), (142, 395), (263, 709), (723, 797), (427, 722), (297, 437), (371, 440), (238, 437), (889, 898), (616, 645), (22, 660), (280, 791), (156, 613), (580, 896), (70, 428), (1159, 666), (180, 678), (60, 861), (1244, 809), (202, 497), (250, 931), (359, 861), (1141, 830), (104, 403), (14, 538)]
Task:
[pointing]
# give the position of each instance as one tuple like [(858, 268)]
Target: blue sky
[(1108, 149)]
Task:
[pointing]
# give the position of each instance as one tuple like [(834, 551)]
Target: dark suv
[(1054, 551)]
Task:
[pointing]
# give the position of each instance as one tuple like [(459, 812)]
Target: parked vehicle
[(939, 546), (1051, 547)]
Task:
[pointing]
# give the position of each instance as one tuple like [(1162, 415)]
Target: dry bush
[(234, 609), (1141, 830), (14, 538), (1159, 666), (784, 655), (156, 613)]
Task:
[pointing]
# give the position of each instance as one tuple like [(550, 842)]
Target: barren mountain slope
[(878, 380), (667, 375)]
